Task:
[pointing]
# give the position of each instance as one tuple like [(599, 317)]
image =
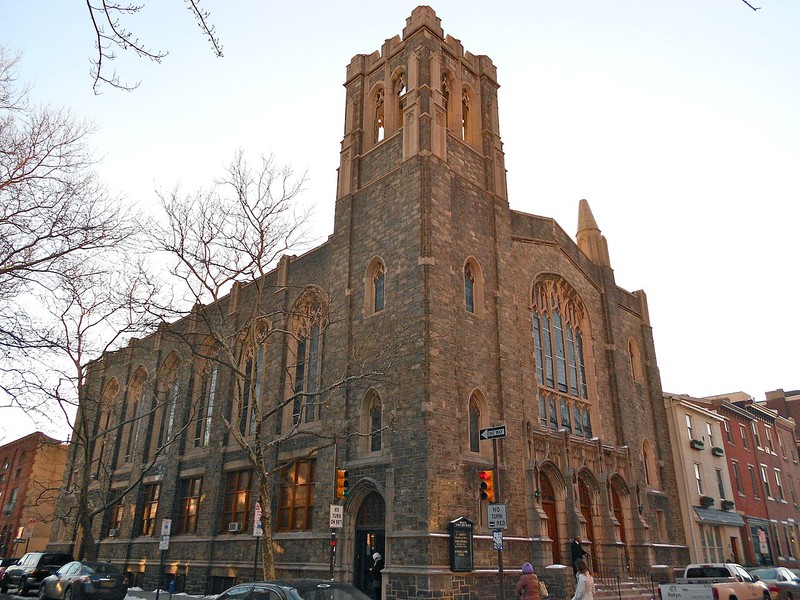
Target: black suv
[(28, 573)]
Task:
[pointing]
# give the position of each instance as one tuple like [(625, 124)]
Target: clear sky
[(678, 121)]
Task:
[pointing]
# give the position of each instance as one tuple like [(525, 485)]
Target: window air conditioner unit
[(113, 533), (234, 527)]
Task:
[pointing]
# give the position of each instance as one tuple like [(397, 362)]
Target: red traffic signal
[(487, 485)]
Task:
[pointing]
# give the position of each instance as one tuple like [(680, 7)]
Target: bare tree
[(70, 284), (224, 244), (99, 304), (54, 213), (111, 33)]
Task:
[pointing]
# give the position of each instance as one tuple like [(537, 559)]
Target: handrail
[(607, 577), (642, 576)]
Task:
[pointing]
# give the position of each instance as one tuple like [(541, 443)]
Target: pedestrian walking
[(584, 590), (577, 553), (528, 584)]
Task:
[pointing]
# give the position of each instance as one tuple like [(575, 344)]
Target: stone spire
[(590, 240)]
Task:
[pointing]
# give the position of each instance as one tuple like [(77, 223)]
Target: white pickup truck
[(715, 581)]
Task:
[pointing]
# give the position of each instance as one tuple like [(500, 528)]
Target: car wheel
[(3, 587), (789, 596), (767, 596), (68, 594), (42, 592), (23, 587)]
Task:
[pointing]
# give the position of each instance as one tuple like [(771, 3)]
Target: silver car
[(782, 583)]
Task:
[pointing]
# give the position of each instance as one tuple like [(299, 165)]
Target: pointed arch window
[(399, 87), (164, 408), (473, 286), (648, 461), (465, 116), (378, 288), (446, 97), (205, 406), (254, 367), (379, 122), (108, 400), (557, 318), (375, 286), (469, 288), (308, 326), (375, 423), (635, 359), (474, 425), (134, 400)]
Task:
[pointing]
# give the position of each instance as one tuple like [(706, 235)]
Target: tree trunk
[(267, 550)]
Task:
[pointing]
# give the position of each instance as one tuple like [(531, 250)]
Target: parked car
[(28, 573), (5, 563), (782, 583), (294, 589), (85, 580), (715, 581)]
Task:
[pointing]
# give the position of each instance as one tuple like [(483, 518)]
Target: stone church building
[(495, 318)]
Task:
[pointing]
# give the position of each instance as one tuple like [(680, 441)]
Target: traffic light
[(487, 485), (342, 483)]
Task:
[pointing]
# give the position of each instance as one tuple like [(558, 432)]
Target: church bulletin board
[(460, 544)]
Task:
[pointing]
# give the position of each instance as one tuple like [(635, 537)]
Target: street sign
[(497, 539), (258, 529), (496, 516), (337, 516), (163, 541), (490, 433)]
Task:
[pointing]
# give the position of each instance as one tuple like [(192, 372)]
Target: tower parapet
[(426, 90)]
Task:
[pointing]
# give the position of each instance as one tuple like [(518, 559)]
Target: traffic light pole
[(497, 490)]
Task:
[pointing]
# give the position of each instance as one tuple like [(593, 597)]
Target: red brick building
[(31, 469), (764, 471)]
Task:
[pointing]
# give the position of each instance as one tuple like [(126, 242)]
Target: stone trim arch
[(585, 474), (366, 442), (556, 477), (398, 86), (635, 361), (375, 116), (477, 399), (375, 286), (359, 492), (473, 274), (619, 484), (470, 116), (649, 464)]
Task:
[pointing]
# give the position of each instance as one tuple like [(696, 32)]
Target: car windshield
[(765, 573)]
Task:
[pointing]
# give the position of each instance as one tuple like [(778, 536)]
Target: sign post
[(258, 533), (496, 512), (163, 545)]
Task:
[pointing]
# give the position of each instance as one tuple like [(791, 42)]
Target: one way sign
[(490, 433)]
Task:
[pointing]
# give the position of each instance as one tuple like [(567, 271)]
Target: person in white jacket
[(584, 590)]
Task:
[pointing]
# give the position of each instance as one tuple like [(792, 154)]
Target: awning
[(718, 517)]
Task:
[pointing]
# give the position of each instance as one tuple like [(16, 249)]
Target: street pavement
[(133, 594)]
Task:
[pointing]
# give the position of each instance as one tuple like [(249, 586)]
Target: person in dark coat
[(577, 553), (375, 570)]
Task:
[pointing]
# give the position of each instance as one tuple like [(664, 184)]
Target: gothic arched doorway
[(549, 508), (370, 528)]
